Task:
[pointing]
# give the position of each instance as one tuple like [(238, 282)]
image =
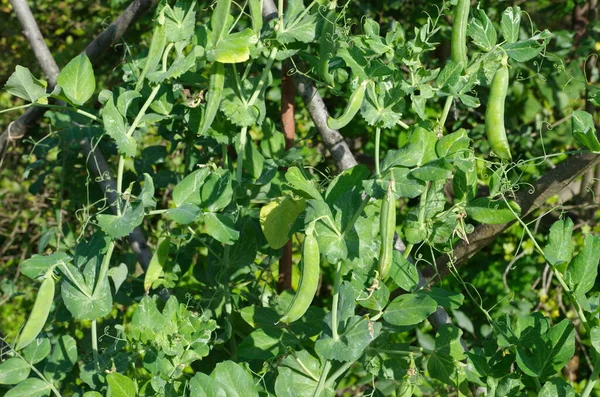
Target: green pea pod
[(309, 280), (387, 227), (39, 314), (494, 114), (459, 32), (215, 90), (352, 108)]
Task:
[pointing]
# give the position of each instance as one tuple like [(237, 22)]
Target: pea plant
[(370, 311)]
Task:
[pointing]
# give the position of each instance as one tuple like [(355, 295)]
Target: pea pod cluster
[(39, 314), (356, 99), (494, 114), (387, 227), (309, 280)]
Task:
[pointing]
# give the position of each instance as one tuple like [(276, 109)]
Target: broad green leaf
[(86, 306), (456, 142), (188, 190), (449, 76), (218, 20), (331, 241), (356, 335), (180, 66), (447, 341), (409, 309), (77, 80), (403, 272), (155, 52), (419, 150), (559, 249), (117, 226), (180, 20), (37, 350), (464, 181), (449, 300), (256, 15), (595, 339), (147, 320), (435, 170), (114, 125), (185, 214), (383, 106), (202, 385), (13, 371), (24, 85), (556, 387), (482, 32), (277, 219), (125, 100), (525, 50), (484, 210), (355, 60), (31, 387), (441, 367), (220, 227), (120, 385), (38, 265), (510, 25), (253, 161), (216, 192), (582, 271), (157, 263), (235, 103), (584, 130), (62, 360), (92, 394), (118, 274), (147, 194), (295, 178), (265, 343), (234, 47), (298, 376), (298, 25), (236, 381)]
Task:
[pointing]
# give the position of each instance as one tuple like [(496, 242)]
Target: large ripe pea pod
[(494, 114), (215, 90), (387, 227), (309, 279), (459, 32), (352, 108), (39, 314)]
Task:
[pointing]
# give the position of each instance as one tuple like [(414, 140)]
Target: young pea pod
[(215, 90), (459, 32), (309, 280), (494, 114), (352, 108), (39, 314), (387, 227)]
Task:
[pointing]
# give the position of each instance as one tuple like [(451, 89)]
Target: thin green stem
[(104, 268), (538, 385), (240, 159), (593, 379), (407, 251), (377, 141), (17, 108), (339, 372), (157, 212), (70, 109), (322, 379), (120, 171), (356, 214), (95, 345), (79, 286), (335, 300), (264, 76), (445, 112), (142, 111), (403, 124)]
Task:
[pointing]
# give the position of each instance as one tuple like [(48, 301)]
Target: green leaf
[(492, 212), (447, 341), (62, 360), (234, 379), (118, 274), (409, 309), (556, 387), (77, 80), (265, 343), (24, 85), (525, 50), (582, 271), (221, 227), (234, 103), (37, 350), (185, 214), (202, 385), (449, 75), (157, 263), (403, 272), (584, 130), (147, 194), (234, 47), (38, 265), (419, 150), (482, 32), (188, 190), (559, 249), (451, 144), (180, 66), (331, 241), (595, 338), (31, 387), (147, 320), (85, 306), (383, 105), (435, 170), (117, 226), (125, 100), (298, 376), (180, 20), (441, 366), (13, 371), (354, 337), (349, 179), (277, 219), (295, 178), (511, 21), (296, 25), (114, 125), (449, 300), (216, 192), (120, 385), (218, 20)]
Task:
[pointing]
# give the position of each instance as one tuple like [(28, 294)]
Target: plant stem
[(335, 300), (356, 214), (264, 76), (340, 371), (17, 108), (377, 139), (322, 379), (70, 109), (142, 111), (240, 159), (104, 268), (538, 385), (120, 170), (403, 124), (593, 379), (95, 345), (445, 112), (157, 212)]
